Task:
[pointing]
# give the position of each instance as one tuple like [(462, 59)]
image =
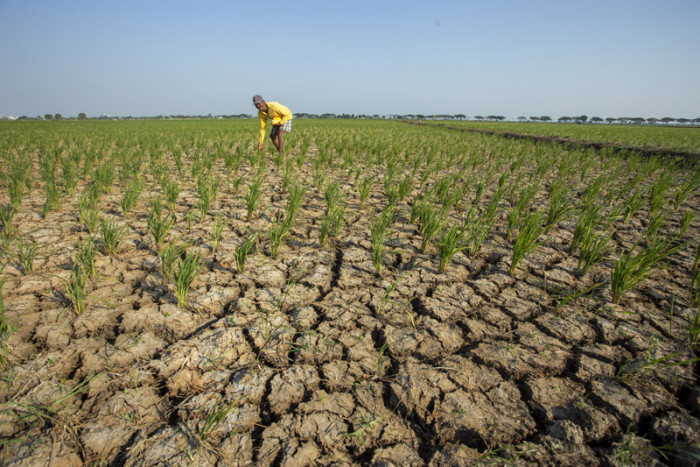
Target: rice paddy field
[(650, 138), (383, 293)]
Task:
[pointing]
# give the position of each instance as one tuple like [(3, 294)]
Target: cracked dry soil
[(310, 358)]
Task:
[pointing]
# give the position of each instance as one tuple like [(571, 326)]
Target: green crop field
[(650, 137), (383, 290)]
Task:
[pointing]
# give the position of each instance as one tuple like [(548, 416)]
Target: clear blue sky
[(607, 58)]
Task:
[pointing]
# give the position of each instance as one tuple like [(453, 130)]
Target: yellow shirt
[(279, 114)]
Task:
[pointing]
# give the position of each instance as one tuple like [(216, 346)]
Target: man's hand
[(259, 146)]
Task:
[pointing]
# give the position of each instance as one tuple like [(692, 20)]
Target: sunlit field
[(656, 137), (383, 292)]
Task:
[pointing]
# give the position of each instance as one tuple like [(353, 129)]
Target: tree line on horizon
[(458, 117)]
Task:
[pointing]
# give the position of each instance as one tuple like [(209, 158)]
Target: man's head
[(259, 102)]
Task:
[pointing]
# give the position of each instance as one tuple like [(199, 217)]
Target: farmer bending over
[(281, 121)]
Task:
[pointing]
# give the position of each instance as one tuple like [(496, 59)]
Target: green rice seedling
[(85, 203), (112, 236), (295, 201), (253, 196), (588, 163), (207, 189), (593, 191), (157, 207), (184, 276), (15, 189), (103, 176), (406, 185), (656, 222), (451, 242), (477, 233), (169, 255), (632, 268), (588, 221), (236, 184), (131, 195), (318, 176), (243, 249), (431, 219), (7, 214), (25, 255), (612, 217), (288, 174), (296, 272), (171, 188), (386, 298), (215, 416), (687, 219), (366, 426), (378, 230), (278, 160), (521, 207), (633, 204), (47, 163), (417, 208), (69, 173), (159, 226), (564, 300), (686, 189), (332, 222), (392, 195), (659, 192), (478, 192), (85, 256), (53, 198), (191, 216), (217, 228), (528, 238), (278, 233), (93, 191), (491, 209), (75, 289), (649, 363), (696, 262), (332, 195), (559, 204), (594, 248)]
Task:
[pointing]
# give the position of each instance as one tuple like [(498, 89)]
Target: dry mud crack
[(312, 358)]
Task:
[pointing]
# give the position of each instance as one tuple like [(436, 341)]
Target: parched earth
[(311, 358)]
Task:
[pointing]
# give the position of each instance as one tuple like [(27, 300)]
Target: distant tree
[(478, 117), (696, 120), (58, 117), (460, 117), (581, 119), (652, 120), (683, 120), (500, 118), (82, 116), (596, 120), (546, 118), (535, 119), (668, 119), (522, 119), (610, 120), (48, 117), (564, 119)]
